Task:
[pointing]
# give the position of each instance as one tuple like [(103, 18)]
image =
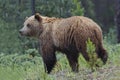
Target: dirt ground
[(109, 72)]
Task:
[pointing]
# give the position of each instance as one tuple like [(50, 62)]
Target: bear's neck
[(47, 29), (46, 35)]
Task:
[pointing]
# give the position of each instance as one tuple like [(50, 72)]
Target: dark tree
[(117, 19), (104, 13), (33, 6), (89, 8)]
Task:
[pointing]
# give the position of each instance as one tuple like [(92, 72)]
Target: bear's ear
[(37, 17), (26, 18)]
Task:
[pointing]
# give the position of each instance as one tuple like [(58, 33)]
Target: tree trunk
[(104, 13), (117, 19), (33, 6)]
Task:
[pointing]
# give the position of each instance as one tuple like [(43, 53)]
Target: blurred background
[(13, 12)]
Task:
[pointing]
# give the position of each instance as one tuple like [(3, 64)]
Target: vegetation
[(94, 61), (26, 67), (11, 21), (19, 57)]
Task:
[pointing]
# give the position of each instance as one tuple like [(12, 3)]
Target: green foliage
[(27, 67), (111, 37), (113, 50), (89, 8), (32, 52), (24, 67), (90, 47), (93, 59), (59, 8), (78, 10), (11, 21), (9, 41)]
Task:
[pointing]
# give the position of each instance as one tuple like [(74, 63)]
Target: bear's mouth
[(23, 34)]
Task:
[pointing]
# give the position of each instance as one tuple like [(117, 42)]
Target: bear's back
[(74, 31), (76, 22)]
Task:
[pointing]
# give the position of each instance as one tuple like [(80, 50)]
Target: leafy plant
[(93, 59), (78, 9)]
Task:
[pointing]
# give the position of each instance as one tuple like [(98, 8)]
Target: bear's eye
[(28, 25)]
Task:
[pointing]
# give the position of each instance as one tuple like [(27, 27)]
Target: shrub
[(94, 62)]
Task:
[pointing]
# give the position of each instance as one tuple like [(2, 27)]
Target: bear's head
[(32, 26)]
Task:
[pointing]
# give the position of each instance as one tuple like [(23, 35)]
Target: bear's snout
[(24, 32), (20, 31)]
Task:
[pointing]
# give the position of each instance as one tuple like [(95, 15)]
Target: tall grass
[(28, 67)]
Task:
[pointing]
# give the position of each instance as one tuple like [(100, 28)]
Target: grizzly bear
[(67, 35)]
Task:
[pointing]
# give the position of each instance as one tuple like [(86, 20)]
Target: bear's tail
[(102, 53)]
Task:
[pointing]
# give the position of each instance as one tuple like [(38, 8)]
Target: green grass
[(24, 67)]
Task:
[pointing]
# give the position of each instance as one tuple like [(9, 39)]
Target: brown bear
[(67, 35)]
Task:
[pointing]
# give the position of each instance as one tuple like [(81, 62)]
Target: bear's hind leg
[(102, 53), (73, 61)]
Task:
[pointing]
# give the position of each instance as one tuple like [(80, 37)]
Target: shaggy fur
[(67, 35)]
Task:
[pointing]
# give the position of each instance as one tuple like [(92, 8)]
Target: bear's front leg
[(49, 57), (73, 61)]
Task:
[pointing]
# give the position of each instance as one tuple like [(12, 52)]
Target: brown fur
[(67, 35)]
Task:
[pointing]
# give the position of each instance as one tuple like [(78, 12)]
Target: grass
[(25, 67)]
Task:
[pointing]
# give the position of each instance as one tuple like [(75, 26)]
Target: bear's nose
[(20, 31)]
